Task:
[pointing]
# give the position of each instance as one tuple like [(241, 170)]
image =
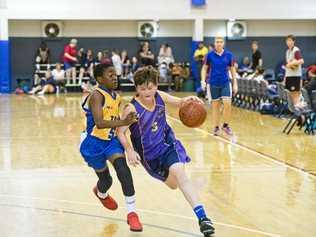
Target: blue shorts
[(68, 65), (221, 92), (159, 167), (96, 151)]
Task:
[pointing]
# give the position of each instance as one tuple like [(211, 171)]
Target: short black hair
[(292, 37), (146, 75), (43, 45), (100, 69), (106, 53), (115, 51)]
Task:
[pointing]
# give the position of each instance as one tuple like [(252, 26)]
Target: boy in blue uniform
[(154, 143), (101, 143)]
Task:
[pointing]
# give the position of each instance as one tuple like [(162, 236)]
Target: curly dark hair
[(146, 75), (100, 69)]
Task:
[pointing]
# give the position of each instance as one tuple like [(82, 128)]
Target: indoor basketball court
[(253, 173)]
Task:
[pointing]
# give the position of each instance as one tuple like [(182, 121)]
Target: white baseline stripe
[(144, 211)]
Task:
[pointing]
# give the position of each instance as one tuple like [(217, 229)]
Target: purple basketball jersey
[(151, 135)]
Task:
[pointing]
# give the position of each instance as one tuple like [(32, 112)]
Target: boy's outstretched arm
[(96, 105), (132, 156), (176, 101)]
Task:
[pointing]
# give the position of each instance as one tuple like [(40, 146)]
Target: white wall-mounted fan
[(52, 29), (147, 29), (236, 30)]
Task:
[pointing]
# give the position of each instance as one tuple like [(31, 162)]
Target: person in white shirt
[(118, 65), (59, 77), (58, 73), (258, 75), (165, 54)]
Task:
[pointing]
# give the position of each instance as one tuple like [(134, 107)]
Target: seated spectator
[(134, 65), (146, 57), (81, 60), (86, 66), (58, 73), (163, 72), (258, 75), (244, 68), (185, 72), (176, 72), (59, 77), (81, 56), (280, 70), (125, 63), (38, 83), (48, 84), (117, 63), (107, 57), (311, 72), (311, 85), (184, 75), (42, 55), (165, 54), (99, 58)]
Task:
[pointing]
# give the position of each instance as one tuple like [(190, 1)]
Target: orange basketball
[(192, 114)]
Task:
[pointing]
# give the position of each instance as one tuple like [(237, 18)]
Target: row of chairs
[(303, 118), (252, 94)]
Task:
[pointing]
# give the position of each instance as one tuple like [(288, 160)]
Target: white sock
[(102, 195), (130, 204)]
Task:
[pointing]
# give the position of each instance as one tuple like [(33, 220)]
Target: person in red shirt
[(311, 71), (311, 85), (70, 60)]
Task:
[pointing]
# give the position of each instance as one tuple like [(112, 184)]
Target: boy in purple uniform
[(154, 143)]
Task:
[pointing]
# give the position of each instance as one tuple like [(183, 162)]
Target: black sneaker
[(206, 227)]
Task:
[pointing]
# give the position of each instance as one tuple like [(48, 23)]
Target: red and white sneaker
[(107, 202), (134, 222)]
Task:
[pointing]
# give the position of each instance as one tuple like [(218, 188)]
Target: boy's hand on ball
[(191, 98)]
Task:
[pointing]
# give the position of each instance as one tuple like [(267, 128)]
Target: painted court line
[(63, 211), (265, 156), (144, 211)]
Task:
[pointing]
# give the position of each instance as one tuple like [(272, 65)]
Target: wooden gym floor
[(262, 184)]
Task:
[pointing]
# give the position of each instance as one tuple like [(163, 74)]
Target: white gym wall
[(162, 9)]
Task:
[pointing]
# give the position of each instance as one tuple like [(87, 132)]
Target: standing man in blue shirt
[(220, 61)]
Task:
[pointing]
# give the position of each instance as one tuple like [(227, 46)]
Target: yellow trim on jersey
[(111, 111)]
